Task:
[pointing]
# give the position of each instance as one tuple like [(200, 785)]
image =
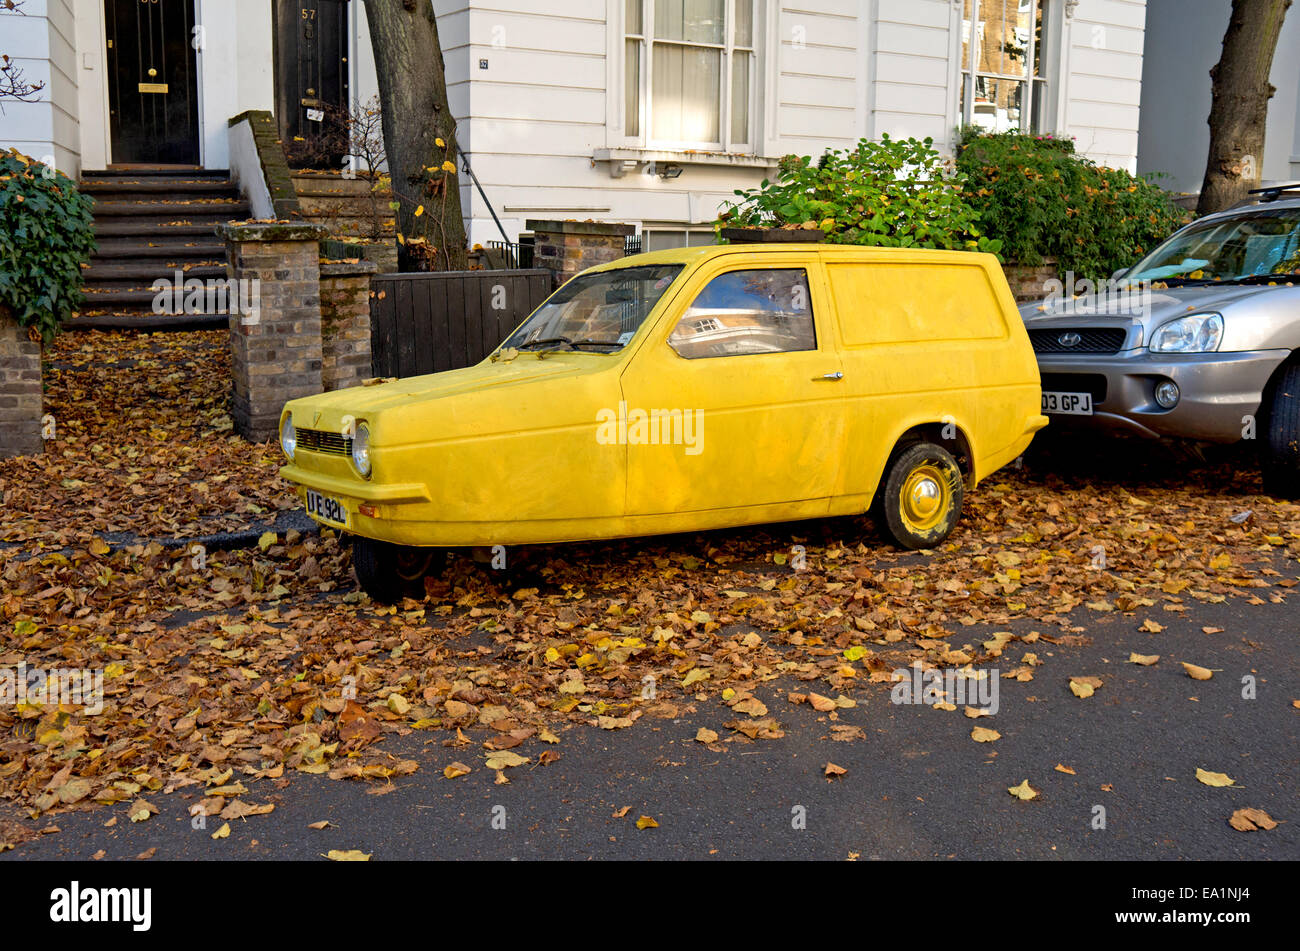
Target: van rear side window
[(908, 303)]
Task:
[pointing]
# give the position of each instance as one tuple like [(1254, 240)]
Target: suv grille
[(318, 440), (1091, 340)]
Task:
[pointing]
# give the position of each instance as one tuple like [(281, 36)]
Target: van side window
[(766, 310)]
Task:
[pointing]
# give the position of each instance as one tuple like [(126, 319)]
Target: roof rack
[(1274, 192)]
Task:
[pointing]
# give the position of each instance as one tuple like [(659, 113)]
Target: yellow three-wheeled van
[(690, 389)]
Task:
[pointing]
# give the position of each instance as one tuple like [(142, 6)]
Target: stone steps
[(344, 205), (151, 222)]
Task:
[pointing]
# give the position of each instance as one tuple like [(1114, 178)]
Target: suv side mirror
[(1118, 274)]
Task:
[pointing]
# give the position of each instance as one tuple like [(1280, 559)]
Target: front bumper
[(353, 488), (1217, 391)]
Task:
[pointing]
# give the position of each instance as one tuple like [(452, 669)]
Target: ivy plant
[(47, 236)]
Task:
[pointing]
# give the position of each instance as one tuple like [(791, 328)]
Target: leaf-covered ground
[(227, 671)]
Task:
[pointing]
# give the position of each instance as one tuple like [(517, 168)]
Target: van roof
[(857, 252)]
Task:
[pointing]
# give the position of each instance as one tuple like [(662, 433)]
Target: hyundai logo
[(1069, 339)]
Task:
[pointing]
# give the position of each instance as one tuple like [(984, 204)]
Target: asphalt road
[(916, 785)]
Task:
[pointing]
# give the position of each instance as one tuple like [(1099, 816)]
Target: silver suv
[(1199, 340)]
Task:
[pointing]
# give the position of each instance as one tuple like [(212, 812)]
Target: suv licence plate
[(1068, 404), (327, 508)]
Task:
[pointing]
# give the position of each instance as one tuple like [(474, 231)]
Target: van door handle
[(837, 375)]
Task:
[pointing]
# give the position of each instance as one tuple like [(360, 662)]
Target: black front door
[(153, 82), (311, 79)]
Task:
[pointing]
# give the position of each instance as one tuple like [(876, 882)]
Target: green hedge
[(892, 193), (46, 236), (1043, 201)]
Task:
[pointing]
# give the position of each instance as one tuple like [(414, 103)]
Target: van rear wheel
[(390, 572), (920, 501)]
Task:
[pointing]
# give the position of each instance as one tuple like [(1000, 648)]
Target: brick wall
[(1029, 283), (20, 390), (566, 248), (345, 322)]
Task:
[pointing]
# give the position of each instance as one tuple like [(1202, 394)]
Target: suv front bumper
[(1218, 391)]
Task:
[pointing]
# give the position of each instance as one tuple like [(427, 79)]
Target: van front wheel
[(920, 501), (390, 572)]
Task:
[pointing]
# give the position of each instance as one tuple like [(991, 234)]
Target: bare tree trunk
[(419, 133), (1239, 111)]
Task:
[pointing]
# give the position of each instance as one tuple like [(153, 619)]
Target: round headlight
[(1197, 333), (288, 437), (1167, 394), (361, 450)]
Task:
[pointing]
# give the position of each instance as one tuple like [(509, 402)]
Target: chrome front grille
[(1078, 340), (319, 440)]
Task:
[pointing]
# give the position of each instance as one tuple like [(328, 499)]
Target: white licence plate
[(1068, 404), (327, 508)]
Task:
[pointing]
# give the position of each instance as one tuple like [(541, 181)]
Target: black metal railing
[(510, 255)]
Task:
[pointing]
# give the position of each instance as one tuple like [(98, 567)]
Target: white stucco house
[(643, 111)]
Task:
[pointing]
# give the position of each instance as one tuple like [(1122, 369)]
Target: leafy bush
[(897, 194), (46, 237), (1043, 201)]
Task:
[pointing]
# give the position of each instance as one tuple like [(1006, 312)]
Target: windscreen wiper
[(1262, 279), (1228, 281), (1184, 281), (588, 342), (545, 341)]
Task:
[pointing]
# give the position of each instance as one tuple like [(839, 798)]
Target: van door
[(923, 339), (735, 399)]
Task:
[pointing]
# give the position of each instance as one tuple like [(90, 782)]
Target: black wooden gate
[(311, 79), (152, 81), (429, 322)]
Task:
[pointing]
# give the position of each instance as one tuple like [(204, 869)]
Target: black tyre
[(390, 572), (920, 499), (1281, 462)]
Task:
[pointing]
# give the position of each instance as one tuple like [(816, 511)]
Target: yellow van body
[(510, 452)]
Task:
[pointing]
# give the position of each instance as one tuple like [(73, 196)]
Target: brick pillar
[(20, 390), (566, 247), (276, 349), (345, 322)]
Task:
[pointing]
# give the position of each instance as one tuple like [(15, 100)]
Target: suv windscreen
[(1262, 242), (599, 311)]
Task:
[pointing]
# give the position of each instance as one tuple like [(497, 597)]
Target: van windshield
[(600, 311), (1263, 242)]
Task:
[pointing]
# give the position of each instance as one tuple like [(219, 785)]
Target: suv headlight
[(1195, 333), (288, 437), (361, 449)]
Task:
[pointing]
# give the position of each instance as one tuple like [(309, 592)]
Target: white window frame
[(616, 73), (658, 228), (1054, 16)]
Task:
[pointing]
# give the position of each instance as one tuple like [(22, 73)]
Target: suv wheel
[(921, 498), (1282, 445)]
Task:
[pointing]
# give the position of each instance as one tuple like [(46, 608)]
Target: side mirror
[(1118, 274)]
